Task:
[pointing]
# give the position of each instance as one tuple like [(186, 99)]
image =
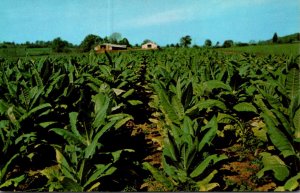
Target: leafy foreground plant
[(185, 162), (81, 163)]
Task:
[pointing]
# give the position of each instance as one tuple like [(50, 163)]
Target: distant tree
[(227, 43), (146, 41), (125, 41), (275, 38), (177, 45), (89, 42), (208, 43), (172, 45), (115, 37), (217, 44), (59, 45), (186, 41)]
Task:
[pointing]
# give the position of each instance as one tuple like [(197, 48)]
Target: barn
[(109, 47), (149, 45)]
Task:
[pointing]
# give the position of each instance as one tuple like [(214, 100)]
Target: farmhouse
[(109, 47), (149, 45)]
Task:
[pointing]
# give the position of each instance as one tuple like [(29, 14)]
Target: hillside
[(286, 39)]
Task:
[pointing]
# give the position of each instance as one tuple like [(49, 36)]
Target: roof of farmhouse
[(115, 45)]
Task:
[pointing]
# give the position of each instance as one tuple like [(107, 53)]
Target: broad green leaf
[(118, 91), (3, 106), (178, 107), (73, 120), (135, 102), (96, 185), (101, 171), (204, 184), (212, 125), (216, 84), (121, 122), (277, 137), (296, 121), (158, 176), (14, 181), (91, 148), (128, 93), (245, 107), (167, 108), (63, 164), (204, 164), (293, 83), (47, 124), (40, 107), (275, 164), (209, 103), (70, 137), (101, 106), (71, 185), (7, 164), (292, 183)]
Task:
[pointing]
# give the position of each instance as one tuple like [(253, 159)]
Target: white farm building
[(149, 45)]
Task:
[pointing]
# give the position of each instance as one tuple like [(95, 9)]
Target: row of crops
[(66, 123)]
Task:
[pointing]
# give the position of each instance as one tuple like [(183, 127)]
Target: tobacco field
[(186, 119)]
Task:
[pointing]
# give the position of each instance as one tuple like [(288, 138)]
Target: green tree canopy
[(228, 43), (146, 41), (115, 37), (59, 45), (208, 43), (89, 42), (186, 41), (275, 38), (125, 41)]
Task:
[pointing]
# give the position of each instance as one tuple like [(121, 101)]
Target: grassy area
[(21, 52), (275, 49)]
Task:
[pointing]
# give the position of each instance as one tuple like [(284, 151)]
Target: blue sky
[(163, 21)]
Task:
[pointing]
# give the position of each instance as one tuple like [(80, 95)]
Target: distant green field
[(275, 49), (21, 52)]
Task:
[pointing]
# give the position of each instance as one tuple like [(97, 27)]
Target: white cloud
[(200, 10)]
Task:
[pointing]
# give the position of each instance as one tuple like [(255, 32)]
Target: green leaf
[(91, 148), (296, 122), (209, 103), (204, 164), (15, 181), (178, 107), (204, 184), (121, 122), (278, 138), (275, 164), (216, 84), (63, 164), (4, 169), (73, 120), (40, 107), (101, 106), (3, 106), (71, 185), (69, 136), (101, 171), (158, 176), (245, 107), (167, 108), (128, 93), (293, 83), (292, 183), (135, 102), (210, 134), (47, 124)]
